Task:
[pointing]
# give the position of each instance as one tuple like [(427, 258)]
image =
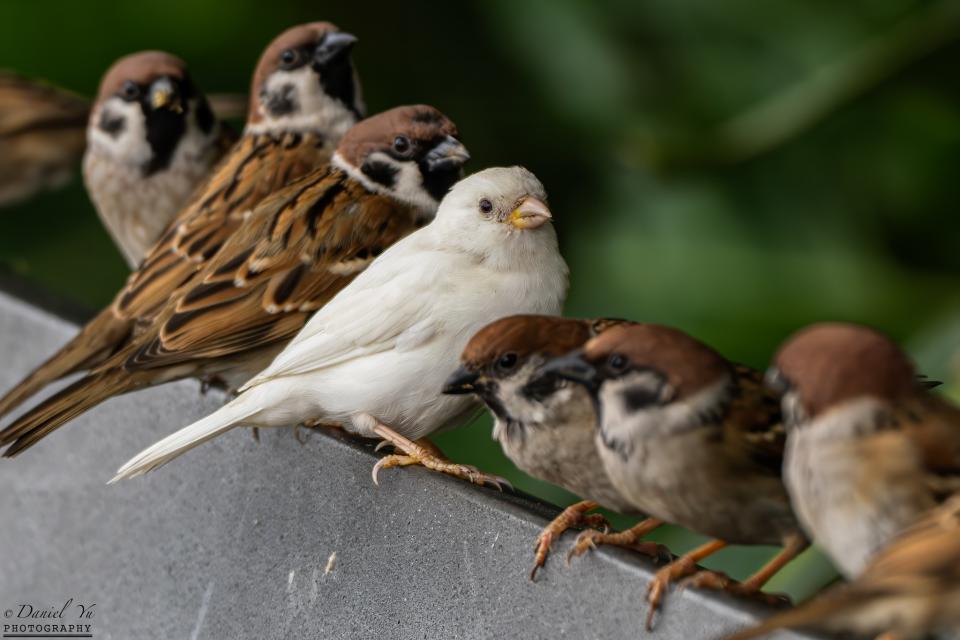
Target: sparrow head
[(824, 365), (305, 81), (500, 362), (501, 216), (649, 375), (146, 109), (409, 153)]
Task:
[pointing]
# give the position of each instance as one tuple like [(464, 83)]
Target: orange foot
[(573, 516), (683, 566), (718, 581), (426, 454), (629, 539)]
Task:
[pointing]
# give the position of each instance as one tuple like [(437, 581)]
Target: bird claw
[(629, 539), (572, 516), (427, 455), (719, 581), (661, 582)]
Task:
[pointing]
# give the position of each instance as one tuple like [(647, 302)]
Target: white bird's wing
[(384, 308)]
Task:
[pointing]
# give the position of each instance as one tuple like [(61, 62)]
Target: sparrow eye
[(617, 362), (130, 90), (401, 144), (507, 361), (485, 206), (289, 58)]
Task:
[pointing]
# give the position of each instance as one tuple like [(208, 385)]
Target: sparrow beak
[(461, 381), (332, 46), (448, 154), (530, 214), (573, 367), (775, 381), (164, 94)]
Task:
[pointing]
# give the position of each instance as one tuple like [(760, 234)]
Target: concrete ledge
[(234, 540)]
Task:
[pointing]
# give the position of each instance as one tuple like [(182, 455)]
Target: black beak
[(461, 381), (448, 154), (333, 45), (775, 381), (574, 367)]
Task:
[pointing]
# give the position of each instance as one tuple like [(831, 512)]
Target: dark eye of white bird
[(401, 144), (130, 90), (485, 206)]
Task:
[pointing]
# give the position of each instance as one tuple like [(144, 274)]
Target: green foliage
[(737, 169)]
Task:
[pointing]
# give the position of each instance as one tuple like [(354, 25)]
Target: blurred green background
[(735, 168)]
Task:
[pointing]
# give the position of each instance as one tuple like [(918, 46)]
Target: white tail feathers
[(220, 421)]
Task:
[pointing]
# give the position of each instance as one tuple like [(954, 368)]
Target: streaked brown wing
[(42, 136), (934, 427), (930, 547), (753, 423), (256, 167), (298, 249)]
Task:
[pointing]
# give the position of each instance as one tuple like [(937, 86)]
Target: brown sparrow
[(869, 448), (305, 96), (41, 136), (545, 424), (151, 139), (290, 256), (690, 439), (909, 590)]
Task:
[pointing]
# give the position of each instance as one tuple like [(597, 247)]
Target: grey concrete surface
[(235, 539)]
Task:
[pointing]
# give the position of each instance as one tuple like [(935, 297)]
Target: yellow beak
[(530, 214), (163, 94)]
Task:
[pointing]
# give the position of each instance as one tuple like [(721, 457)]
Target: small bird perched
[(305, 96), (288, 258), (151, 139), (870, 449), (41, 136), (910, 590), (545, 424), (376, 356), (691, 439)]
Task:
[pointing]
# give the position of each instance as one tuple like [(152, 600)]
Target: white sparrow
[(151, 139), (376, 356), (305, 97), (41, 136), (909, 591), (691, 439), (545, 424), (289, 257), (869, 449)]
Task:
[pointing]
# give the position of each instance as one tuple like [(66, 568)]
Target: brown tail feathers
[(91, 346)]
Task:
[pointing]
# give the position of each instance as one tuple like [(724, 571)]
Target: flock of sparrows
[(336, 270)]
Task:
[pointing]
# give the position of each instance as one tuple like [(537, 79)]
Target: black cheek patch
[(281, 102), (112, 124), (637, 398), (380, 172), (540, 389)]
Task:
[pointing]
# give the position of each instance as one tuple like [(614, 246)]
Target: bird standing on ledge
[(376, 356)]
